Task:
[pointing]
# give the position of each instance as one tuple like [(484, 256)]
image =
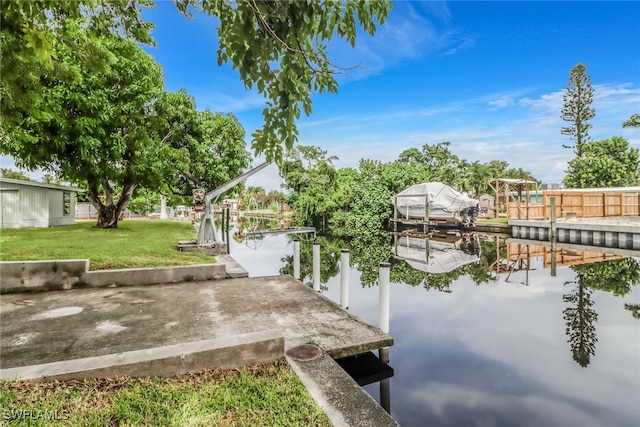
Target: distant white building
[(25, 204)]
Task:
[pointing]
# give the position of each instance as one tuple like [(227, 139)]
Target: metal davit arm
[(207, 230), (213, 194)]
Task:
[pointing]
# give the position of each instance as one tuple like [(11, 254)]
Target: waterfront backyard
[(473, 347)]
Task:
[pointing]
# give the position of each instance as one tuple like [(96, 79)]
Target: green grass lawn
[(493, 220), (134, 244), (256, 396), (267, 395)]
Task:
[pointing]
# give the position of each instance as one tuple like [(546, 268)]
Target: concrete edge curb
[(343, 401), (233, 269), (226, 353), (51, 275)]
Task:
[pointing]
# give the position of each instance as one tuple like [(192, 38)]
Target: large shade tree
[(206, 150), (74, 88), (209, 148), (607, 163), (95, 128), (281, 49)]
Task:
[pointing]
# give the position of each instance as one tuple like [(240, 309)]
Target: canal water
[(495, 348)]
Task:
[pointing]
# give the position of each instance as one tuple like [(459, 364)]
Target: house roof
[(41, 184)]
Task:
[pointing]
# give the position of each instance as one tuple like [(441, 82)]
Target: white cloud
[(550, 102), (407, 34), (456, 42), (444, 398), (504, 101), (525, 131), (230, 103)]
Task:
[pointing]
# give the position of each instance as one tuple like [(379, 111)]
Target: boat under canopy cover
[(434, 200), (436, 257)]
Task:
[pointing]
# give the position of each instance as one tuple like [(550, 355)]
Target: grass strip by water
[(492, 221), (263, 395), (134, 244)]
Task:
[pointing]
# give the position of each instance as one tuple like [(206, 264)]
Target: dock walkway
[(68, 325), (172, 329)]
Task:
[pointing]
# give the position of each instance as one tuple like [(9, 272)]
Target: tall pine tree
[(577, 108)]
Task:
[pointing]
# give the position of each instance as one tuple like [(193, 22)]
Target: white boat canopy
[(440, 199)]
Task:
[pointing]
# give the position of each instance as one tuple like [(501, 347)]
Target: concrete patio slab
[(75, 324)]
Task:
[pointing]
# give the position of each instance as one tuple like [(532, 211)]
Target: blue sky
[(487, 76)]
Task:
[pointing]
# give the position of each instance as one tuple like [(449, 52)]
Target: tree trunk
[(108, 212), (125, 198), (107, 217)]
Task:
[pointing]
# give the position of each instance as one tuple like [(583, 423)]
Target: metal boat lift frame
[(207, 232)]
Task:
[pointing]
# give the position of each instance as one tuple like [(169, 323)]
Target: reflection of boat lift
[(437, 254), (276, 231), (256, 239), (521, 263), (258, 236)]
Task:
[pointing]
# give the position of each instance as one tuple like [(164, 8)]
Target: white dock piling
[(385, 389), (296, 259), (316, 266), (344, 278), (383, 307)]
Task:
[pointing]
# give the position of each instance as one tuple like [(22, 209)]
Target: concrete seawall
[(618, 233), (41, 276)]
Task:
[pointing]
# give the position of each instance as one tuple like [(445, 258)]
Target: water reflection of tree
[(580, 318), (368, 250), (402, 272), (480, 272), (329, 259), (617, 276)]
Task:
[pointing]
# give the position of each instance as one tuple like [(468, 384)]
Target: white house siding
[(56, 208), (28, 204), (9, 217), (31, 207)]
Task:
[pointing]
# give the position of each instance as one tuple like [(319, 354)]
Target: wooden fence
[(587, 203)]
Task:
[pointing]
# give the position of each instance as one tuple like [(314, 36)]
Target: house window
[(66, 203)]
